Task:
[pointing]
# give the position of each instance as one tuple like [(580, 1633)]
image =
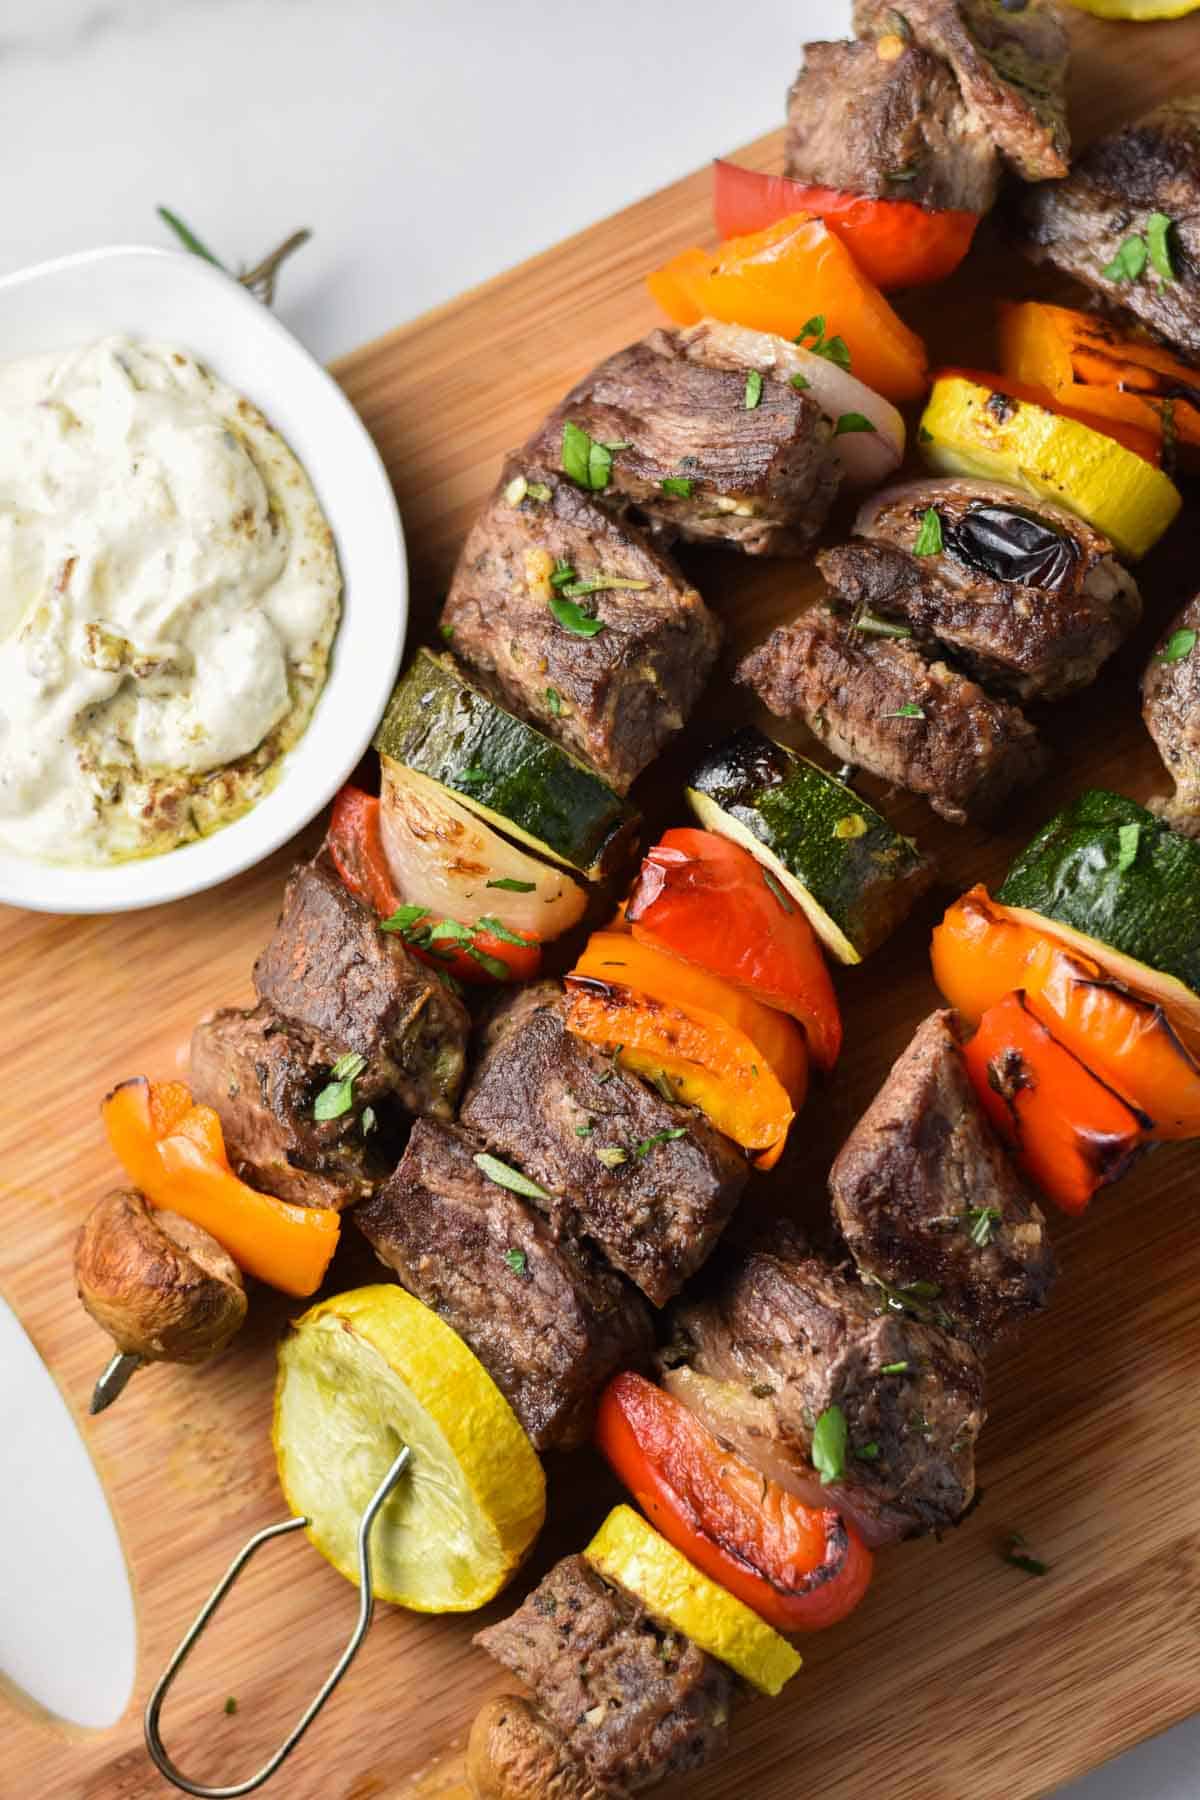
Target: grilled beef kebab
[(1171, 709)]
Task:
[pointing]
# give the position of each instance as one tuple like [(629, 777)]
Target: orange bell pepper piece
[(1090, 364), (175, 1154), (980, 954), (1069, 1133), (743, 1065), (778, 279)]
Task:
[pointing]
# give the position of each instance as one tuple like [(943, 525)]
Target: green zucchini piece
[(506, 771), (854, 876), (1115, 873)]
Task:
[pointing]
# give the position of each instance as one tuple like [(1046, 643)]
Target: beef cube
[(635, 1703), (616, 696), (1027, 597), (877, 703), (544, 1316), (760, 478), (785, 1337), (330, 970), (1010, 62), (262, 1076), (1081, 223), (891, 127), (547, 1101), (1171, 709), (924, 1192)]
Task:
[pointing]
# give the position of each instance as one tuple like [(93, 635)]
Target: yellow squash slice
[(970, 429), (361, 1374), (630, 1552)]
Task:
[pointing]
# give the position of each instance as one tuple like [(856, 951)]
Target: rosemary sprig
[(260, 280)]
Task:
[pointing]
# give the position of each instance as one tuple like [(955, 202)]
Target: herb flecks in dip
[(169, 590)]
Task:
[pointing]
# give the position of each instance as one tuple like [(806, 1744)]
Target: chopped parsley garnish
[(511, 885), (928, 541), (662, 1081), (493, 965), (753, 389), (554, 702), (1158, 245), (833, 349), (1127, 845), (337, 1097), (896, 1368), (679, 485), (585, 1130), (851, 422), (472, 776), (924, 436), (800, 382), (868, 1452), (1013, 1551), (910, 710), (646, 1145), (874, 626), (230, 1706), (829, 1445), (588, 463), (572, 618), (613, 1066), (505, 1177), (916, 1299), (1129, 261), (538, 490), (517, 1261), (447, 633), (561, 573), (580, 585), (497, 929), (776, 888), (1179, 645), (982, 1221), (404, 918), (612, 1156)]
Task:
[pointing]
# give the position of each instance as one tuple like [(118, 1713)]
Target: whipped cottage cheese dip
[(169, 591)]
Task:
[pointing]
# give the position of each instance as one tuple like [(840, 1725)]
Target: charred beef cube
[(752, 467), (544, 1316), (635, 1703), (262, 1077), (1026, 596), (543, 552), (785, 1337), (1171, 709), (925, 1194), (1010, 62), (1080, 224), (877, 703), (547, 1102), (330, 970), (891, 127)]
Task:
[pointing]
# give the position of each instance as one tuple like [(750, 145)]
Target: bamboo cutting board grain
[(960, 1677)]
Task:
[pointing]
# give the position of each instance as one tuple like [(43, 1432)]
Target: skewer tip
[(113, 1381)]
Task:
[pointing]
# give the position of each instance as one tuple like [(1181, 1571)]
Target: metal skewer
[(114, 1380), (366, 1606)]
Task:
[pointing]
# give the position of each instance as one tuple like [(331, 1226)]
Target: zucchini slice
[(503, 769), (1113, 872), (851, 873)]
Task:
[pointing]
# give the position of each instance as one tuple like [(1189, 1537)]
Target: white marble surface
[(428, 146)]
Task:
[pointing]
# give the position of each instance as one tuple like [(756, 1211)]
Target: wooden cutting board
[(959, 1675)]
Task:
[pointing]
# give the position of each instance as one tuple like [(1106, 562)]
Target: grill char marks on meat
[(924, 1192), (784, 1337), (262, 1076), (546, 1101), (890, 128), (762, 478), (1029, 599), (1079, 224), (877, 703), (634, 1703), (546, 1319), (1011, 65), (329, 970), (1171, 709), (616, 697)]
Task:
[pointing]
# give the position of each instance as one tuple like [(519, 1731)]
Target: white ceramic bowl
[(180, 299)]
